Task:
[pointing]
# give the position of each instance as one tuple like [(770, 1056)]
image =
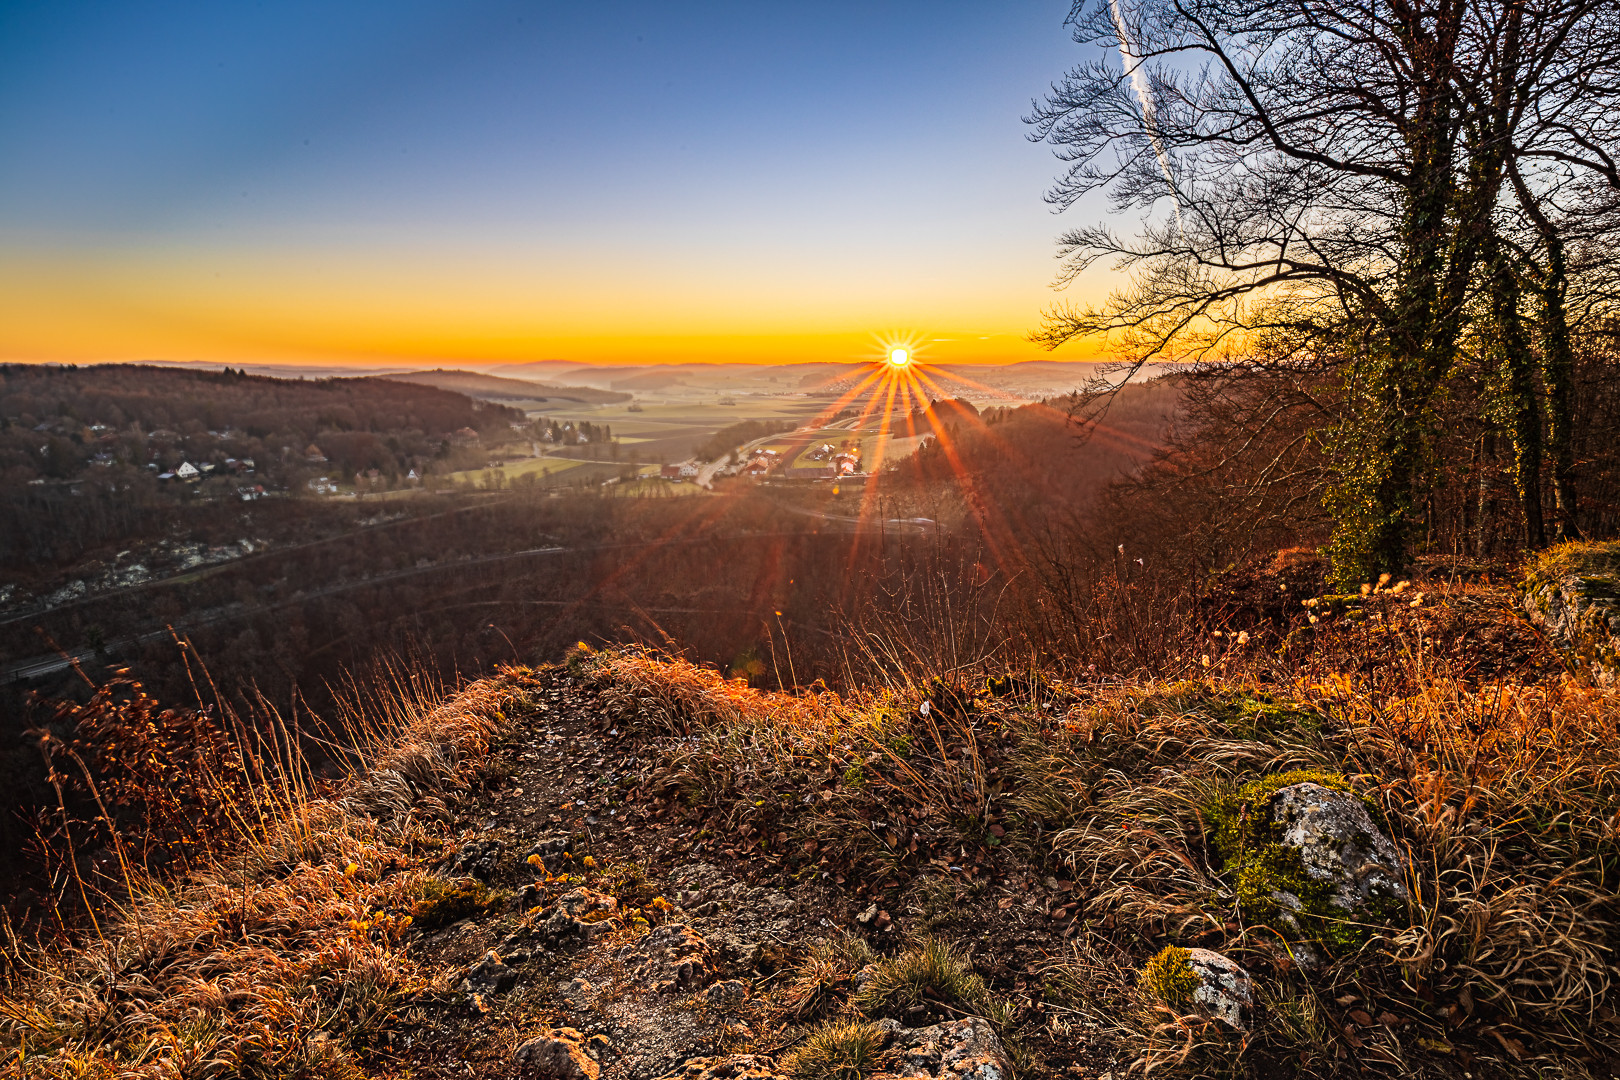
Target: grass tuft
[(838, 1050), (935, 975)]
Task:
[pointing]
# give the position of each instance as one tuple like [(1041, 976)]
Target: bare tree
[(1334, 172)]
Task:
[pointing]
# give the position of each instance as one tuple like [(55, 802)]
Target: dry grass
[(282, 953), (1502, 797)]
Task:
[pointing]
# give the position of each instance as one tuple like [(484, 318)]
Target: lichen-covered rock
[(965, 1049), (557, 1056), (1203, 980), (1339, 844), (1304, 853), (1572, 593)]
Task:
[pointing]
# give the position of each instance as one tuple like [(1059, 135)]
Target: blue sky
[(528, 172)]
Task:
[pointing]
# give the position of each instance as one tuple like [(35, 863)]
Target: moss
[(1238, 823), (1262, 716), (1169, 977), (1584, 559), (444, 902), (1265, 871)]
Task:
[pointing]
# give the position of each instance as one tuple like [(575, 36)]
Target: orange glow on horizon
[(287, 309)]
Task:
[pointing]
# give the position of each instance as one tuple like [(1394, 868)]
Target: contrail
[(1144, 94)]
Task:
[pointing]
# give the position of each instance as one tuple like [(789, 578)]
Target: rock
[(1305, 856), (671, 958), (550, 851), (1203, 980), (558, 1056), (480, 859), (725, 995), (580, 914), (1338, 843), (732, 1067), (966, 1049), (1572, 594), (489, 976)]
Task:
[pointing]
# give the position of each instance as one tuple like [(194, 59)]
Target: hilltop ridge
[(629, 866)]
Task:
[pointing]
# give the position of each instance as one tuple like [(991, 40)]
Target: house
[(464, 437), (186, 471), (313, 455), (686, 470)]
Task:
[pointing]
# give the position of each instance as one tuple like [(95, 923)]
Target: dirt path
[(611, 946)]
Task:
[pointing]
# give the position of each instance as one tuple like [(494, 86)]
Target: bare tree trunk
[(1558, 370)]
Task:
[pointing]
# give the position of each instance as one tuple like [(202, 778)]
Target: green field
[(514, 469)]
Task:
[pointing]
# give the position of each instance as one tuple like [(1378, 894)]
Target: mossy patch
[(1169, 977), (1261, 716), (444, 902), (1269, 877)]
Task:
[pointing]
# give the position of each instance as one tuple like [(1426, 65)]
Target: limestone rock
[(480, 859), (550, 849), (580, 914), (725, 995), (1573, 595), (1224, 989), (671, 958), (558, 1056), (1339, 844), (966, 1049), (489, 976)]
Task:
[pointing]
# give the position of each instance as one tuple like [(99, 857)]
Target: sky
[(476, 182)]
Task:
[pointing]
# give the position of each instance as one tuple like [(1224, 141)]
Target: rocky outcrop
[(557, 1056), (966, 1049), (1572, 594)]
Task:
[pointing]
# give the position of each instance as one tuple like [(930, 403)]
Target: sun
[(899, 357)]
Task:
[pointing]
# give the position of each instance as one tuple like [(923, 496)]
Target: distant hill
[(496, 388), (651, 380)]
